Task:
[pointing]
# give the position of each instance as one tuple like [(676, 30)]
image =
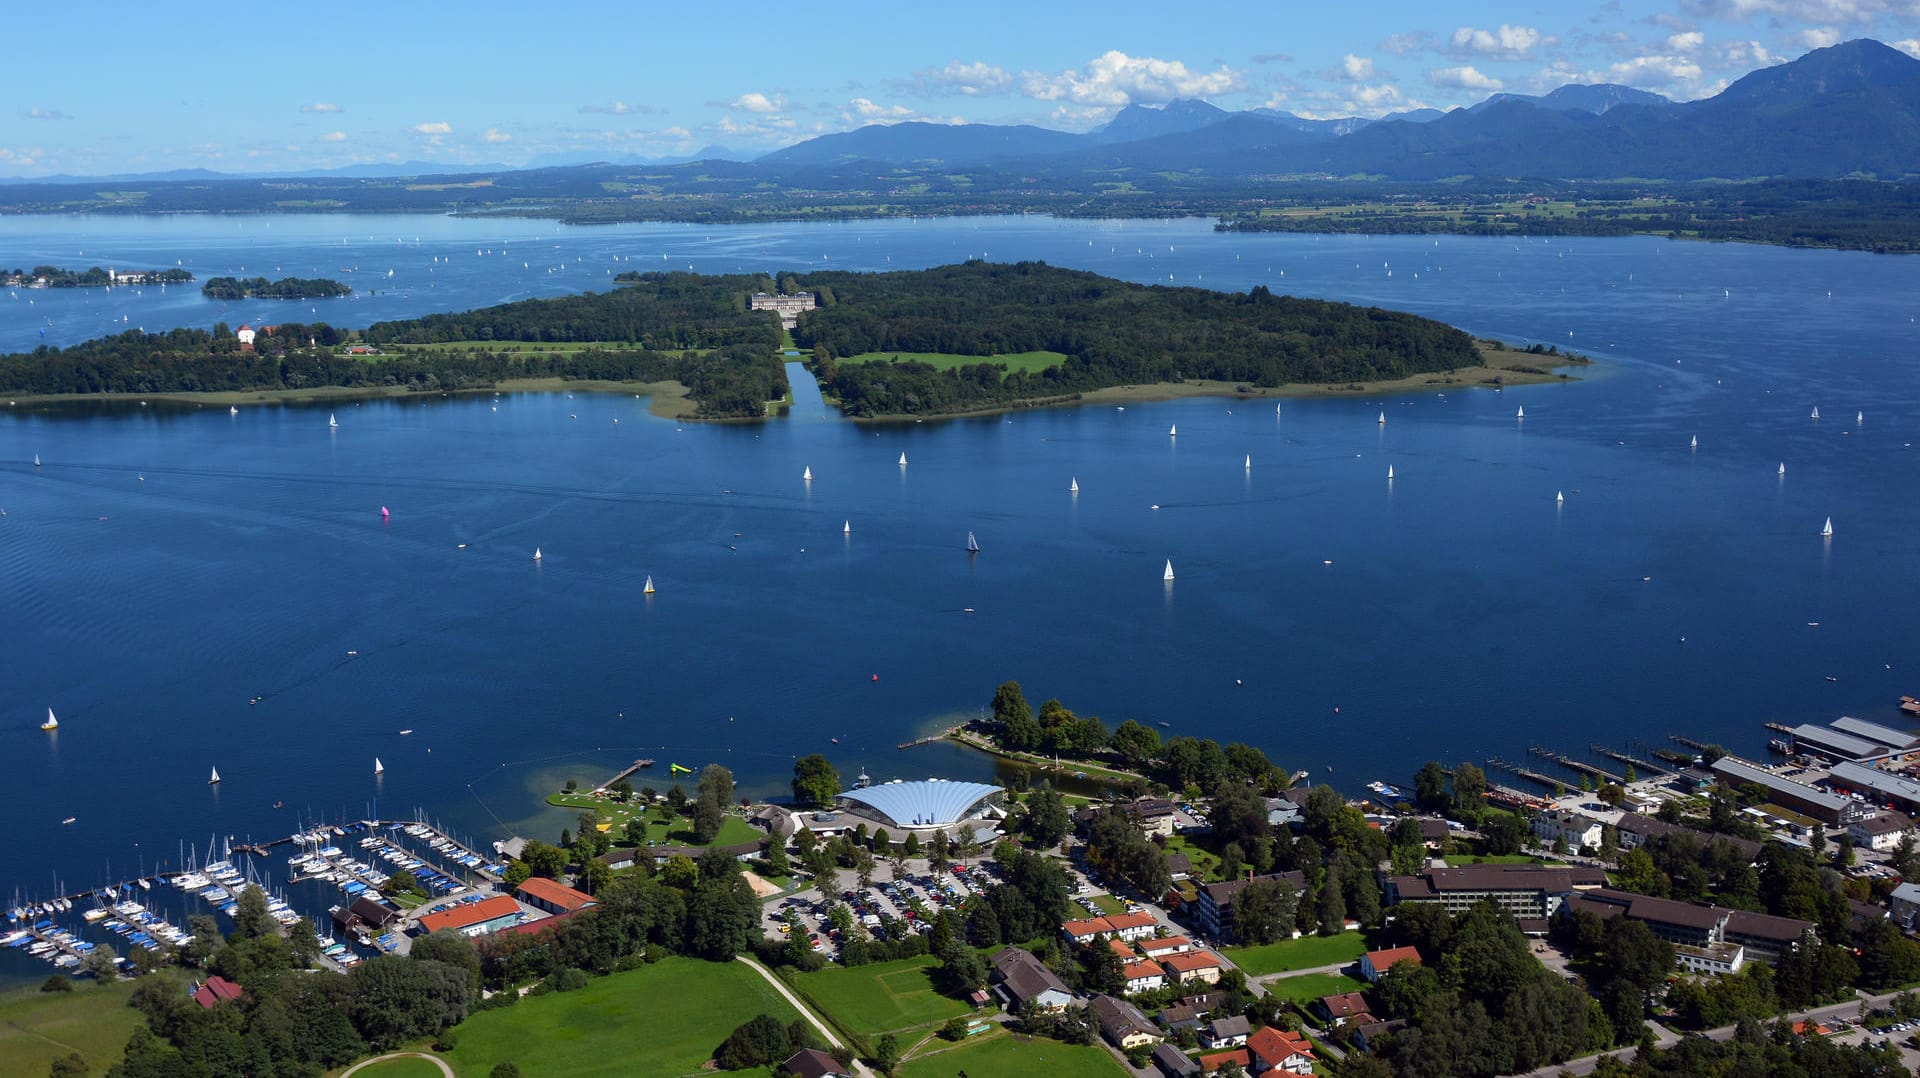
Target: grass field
[(678, 831), (1206, 865), (1015, 361), (883, 997), (1005, 1053), (1311, 986), (1307, 952), (664, 1019), (37, 1027), (409, 1067), (1108, 904)]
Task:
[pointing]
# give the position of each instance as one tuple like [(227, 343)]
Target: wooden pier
[(1572, 764), (1632, 761), (929, 739), (638, 765), (1547, 781)]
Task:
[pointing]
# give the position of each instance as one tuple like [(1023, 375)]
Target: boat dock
[(1547, 781), (1779, 728), (638, 765), (927, 740), (1632, 761), (1572, 764)]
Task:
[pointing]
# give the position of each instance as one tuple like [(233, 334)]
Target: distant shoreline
[(668, 400)]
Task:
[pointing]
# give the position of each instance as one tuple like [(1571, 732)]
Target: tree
[(815, 781), (72, 1065), (251, 917), (1333, 907), (759, 1040), (1013, 717), (506, 1068), (886, 1053), (543, 860), (102, 964), (1430, 787), (863, 866), (1505, 833), (1047, 819), (1469, 790), (777, 854), (1136, 743), (451, 947), (594, 876), (1263, 910)]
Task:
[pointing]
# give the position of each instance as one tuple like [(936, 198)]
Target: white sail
[(846, 527), (1249, 462), (647, 589), (378, 767), (536, 553), (1816, 412), (973, 545), (1521, 412), (903, 460), (1276, 407), (1828, 529), (807, 475), (331, 421), (1383, 418), (1859, 418), (1559, 497), (1168, 575), (1783, 468), (233, 409), (36, 460), (215, 779), (1073, 485), (1695, 443), (1389, 471), (1173, 431), (51, 723)]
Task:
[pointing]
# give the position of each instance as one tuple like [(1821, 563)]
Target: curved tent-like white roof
[(929, 803)]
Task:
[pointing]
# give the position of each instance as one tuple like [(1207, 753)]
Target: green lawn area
[(1307, 952), (676, 832), (1014, 361), (664, 1019), (1108, 904), (1206, 866), (94, 1020), (400, 1068), (1005, 1053), (1311, 986), (882, 997)]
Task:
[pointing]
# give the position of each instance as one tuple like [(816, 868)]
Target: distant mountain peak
[(1597, 98), (1850, 66), (1151, 121)]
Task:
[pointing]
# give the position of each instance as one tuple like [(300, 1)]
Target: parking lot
[(887, 909)]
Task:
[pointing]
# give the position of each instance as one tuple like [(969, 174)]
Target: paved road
[(436, 1061), (1849, 1009), (781, 987)]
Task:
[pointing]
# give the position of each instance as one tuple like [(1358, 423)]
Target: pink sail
[(383, 513)]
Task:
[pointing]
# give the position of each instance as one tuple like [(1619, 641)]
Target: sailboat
[(1383, 418), (807, 476), (1389, 471), (846, 527), (378, 767), (1816, 412), (1559, 497), (1521, 412), (215, 780), (536, 553), (973, 545), (332, 423), (51, 723), (903, 460), (1276, 407), (1249, 462), (1073, 485), (1827, 531), (1695, 443), (233, 409), (1859, 418), (647, 588), (1168, 575), (1783, 468), (1173, 431), (36, 460)]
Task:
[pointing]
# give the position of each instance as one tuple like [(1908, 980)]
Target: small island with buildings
[(93, 277)]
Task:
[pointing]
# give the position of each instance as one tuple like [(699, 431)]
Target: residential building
[(1906, 906), (1366, 1035), (1635, 830), (813, 1063), (215, 991), (1020, 979), (365, 915), (1191, 1012), (1165, 945), (1143, 976), (1179, 866), (1173, 1062), (1228, 1032), (1881, 831), (553, 896), (1126, 926), (1201, 966), (1374, 964), (1525, 891), (1213, 1061), (473, 918), (1574, 828), (1719, 959), (1338, 1009), (1281, 812), (245, 335), (1759, 937), (1763, 936), (1214, 910), (1082, 933), (1123, 1024), (1156, 815), (1279, 1050)]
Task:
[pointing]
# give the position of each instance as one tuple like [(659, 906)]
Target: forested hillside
[(1113, 333)]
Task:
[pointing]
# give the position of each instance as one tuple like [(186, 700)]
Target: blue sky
[(117, 86)]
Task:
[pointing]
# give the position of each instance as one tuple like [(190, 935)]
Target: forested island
[(1074, 332), (284, 288), (92, 277)]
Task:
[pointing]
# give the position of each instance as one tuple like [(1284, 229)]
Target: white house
[(1578, 830), (1881, 831)]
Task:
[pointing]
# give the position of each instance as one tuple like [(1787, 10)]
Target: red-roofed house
[(1131, 926), (1278, 1050), (1125, 952), (1143, 976), (1193, 966), (473, 918), (1338, 1009), (1085, 931), (1375, 963), (1217, 1060), (553, 896), (1161, 948), (215, 991)]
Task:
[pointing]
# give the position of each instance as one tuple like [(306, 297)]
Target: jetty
[(1572, 764), (1632, 761), (1547, 781), (638, 765)]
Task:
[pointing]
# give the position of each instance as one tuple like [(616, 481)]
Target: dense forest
[(92, 277), (1113, 333), (284, 288)]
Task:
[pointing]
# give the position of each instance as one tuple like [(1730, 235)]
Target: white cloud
[(1749, 54), (1382, 98), (1823, 12), (438, 127), (1412, 41), (1505, 43), (1818, 37), (1686, 42), (759, 102), (321, 106), (1655, 72), (972, 79), (674, 132), (864, 110), (1466, 77), (618, 108), (1115, 79), (334, 136), (47, 114), (495, 135), (1356, 68), (1910, 46)]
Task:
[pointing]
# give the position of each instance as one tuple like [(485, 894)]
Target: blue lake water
[(166, 565)]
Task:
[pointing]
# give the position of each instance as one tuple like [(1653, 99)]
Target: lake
[(168, 565)]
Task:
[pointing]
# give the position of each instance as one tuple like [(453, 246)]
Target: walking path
[(780, 986), (435, 1060), (1844, 1009)]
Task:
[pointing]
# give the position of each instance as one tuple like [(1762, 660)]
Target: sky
[(116, 86)]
